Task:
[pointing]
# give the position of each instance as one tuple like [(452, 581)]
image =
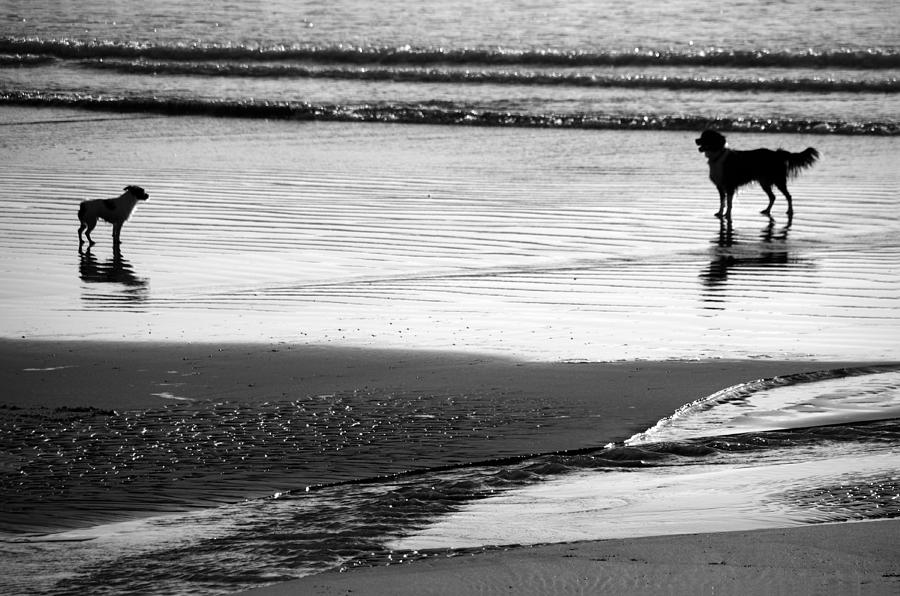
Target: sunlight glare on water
[(273, 236)]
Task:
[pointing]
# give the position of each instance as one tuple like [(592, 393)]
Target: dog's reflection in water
[(729, 254), (116, 279)]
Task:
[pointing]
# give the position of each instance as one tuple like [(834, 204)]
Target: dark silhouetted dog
[(115, 211), (730, 169)]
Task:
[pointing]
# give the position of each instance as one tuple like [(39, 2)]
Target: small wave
[(793, 401), (497, 77), (21, 60), (869, 58), (445, 113)]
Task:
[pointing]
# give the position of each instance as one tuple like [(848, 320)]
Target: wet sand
[(844, 558), (608, 401), (849, 558)]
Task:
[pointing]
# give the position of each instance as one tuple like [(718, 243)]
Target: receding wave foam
[(794, 401), (726, 462), (870, 58)]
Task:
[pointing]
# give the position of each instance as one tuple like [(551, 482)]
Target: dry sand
[(858, 558)]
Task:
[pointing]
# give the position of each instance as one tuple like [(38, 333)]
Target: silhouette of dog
[(115, 211), (730, 169)]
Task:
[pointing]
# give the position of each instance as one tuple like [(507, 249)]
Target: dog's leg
[(82, 220), (721, 210), (782, 187), (89, 227), (729, 197), (768, 190), (117, 230)]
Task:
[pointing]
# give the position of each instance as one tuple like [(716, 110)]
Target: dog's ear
[(712, 138), (135, 190)]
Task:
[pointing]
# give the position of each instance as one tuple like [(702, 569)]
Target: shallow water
[(731, 462), (593, 245), (71, 468)]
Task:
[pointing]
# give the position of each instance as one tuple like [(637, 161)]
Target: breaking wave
[(499, 77), (802, 400), (438, 112)]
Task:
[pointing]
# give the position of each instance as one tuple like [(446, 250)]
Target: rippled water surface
[(466, 22), (682, 65), (593, 245)]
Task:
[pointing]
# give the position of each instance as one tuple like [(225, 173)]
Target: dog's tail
[(81, 209), (799, 161)]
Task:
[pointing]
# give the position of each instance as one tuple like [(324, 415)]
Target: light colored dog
[(115, 211)]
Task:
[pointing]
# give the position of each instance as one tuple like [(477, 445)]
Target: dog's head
[(138, 192), (710, 140)]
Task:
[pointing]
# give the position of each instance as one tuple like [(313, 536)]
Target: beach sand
[(608, 401), (851, 558)]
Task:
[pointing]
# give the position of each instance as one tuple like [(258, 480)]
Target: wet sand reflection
[(112, 282), (729, 254)]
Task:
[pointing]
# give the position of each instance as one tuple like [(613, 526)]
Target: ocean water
[(505, 177), (786, 66)]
